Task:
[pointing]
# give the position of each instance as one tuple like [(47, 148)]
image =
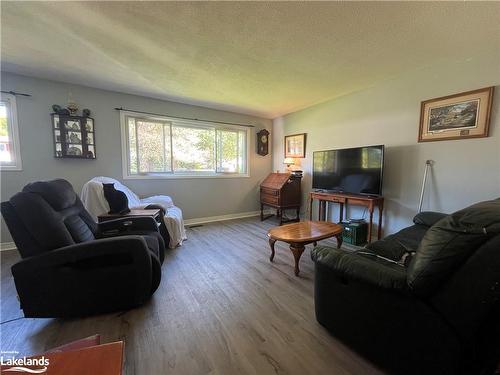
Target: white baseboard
[(7, 246), (211, 219)]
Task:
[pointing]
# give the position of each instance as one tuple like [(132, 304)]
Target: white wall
[(465, 171), (197, 197)]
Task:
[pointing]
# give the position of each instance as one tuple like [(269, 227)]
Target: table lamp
[(288, 162)]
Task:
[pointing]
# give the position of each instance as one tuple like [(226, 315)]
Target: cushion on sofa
[(362, 266), (428, 218), (449, 242), (398, 244)]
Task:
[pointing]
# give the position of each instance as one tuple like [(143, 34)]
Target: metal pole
[(185, 118), (428, 163), (15, 93)]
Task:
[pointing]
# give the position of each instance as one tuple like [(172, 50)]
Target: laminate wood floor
[(222, 308)]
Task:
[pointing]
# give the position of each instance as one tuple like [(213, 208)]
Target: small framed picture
[(459, 116), (90, 138), (57, 135), (295, 145), (74, 150), (58, 150), (73, 125), (89, 125), (56, 122), (90, 152), (73, 137)]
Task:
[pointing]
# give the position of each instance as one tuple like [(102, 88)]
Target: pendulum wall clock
[(263, 142)]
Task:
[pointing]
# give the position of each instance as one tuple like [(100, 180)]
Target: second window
[(163, 146)]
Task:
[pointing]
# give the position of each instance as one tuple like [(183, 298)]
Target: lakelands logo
[(23, 364)]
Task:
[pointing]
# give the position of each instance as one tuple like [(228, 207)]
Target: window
[(10, 155), (163, 147)]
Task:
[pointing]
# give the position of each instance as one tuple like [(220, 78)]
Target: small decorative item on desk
[(288, 162), (74, 136)]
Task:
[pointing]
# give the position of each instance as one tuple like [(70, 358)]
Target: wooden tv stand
[(342, 199)]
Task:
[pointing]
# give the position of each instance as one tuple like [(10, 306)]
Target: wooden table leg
[(315, 243), (298, 214), (341, 212), (271, 243), (379, 233), (370, 223), (311, 209), (339, 240), (297, 250)]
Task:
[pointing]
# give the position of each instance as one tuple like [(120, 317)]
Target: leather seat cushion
[(361, 266), (449, 243), (400, 243)]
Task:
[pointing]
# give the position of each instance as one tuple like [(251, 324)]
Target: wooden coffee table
[(298, 235)]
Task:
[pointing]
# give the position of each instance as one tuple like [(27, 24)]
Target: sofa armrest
[(364, 267), (125, 224), (428, 218), (77, 280), (85, 251)]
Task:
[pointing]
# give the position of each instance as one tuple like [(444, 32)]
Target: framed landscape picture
[(459, 116), (295, 146)]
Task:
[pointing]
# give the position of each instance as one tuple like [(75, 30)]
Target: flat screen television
[(350, 170)]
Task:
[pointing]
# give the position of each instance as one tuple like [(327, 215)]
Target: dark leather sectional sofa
[(425, 300)]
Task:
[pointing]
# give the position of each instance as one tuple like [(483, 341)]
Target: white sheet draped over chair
[(93, 198)]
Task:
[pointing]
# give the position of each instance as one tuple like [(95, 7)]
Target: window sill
[(10, 168), (181, 176)]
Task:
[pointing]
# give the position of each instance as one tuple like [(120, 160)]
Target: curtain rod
[(15, 93), (185, 118)]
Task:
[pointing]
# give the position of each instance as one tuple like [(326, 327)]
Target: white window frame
[(180, 122), (13, 128)]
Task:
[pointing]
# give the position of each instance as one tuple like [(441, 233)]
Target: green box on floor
[(355, 233)]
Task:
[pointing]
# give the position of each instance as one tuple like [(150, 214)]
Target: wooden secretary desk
[(280, 191)]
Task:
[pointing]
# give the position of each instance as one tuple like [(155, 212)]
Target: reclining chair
[(73, 266), (439, 313)]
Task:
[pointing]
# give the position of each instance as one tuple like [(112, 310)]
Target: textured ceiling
[(262, 58)]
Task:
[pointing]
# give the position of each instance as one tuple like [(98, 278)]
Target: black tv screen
[(349, 170)]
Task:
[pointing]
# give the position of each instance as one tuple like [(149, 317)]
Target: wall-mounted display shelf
[(74, 136)]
